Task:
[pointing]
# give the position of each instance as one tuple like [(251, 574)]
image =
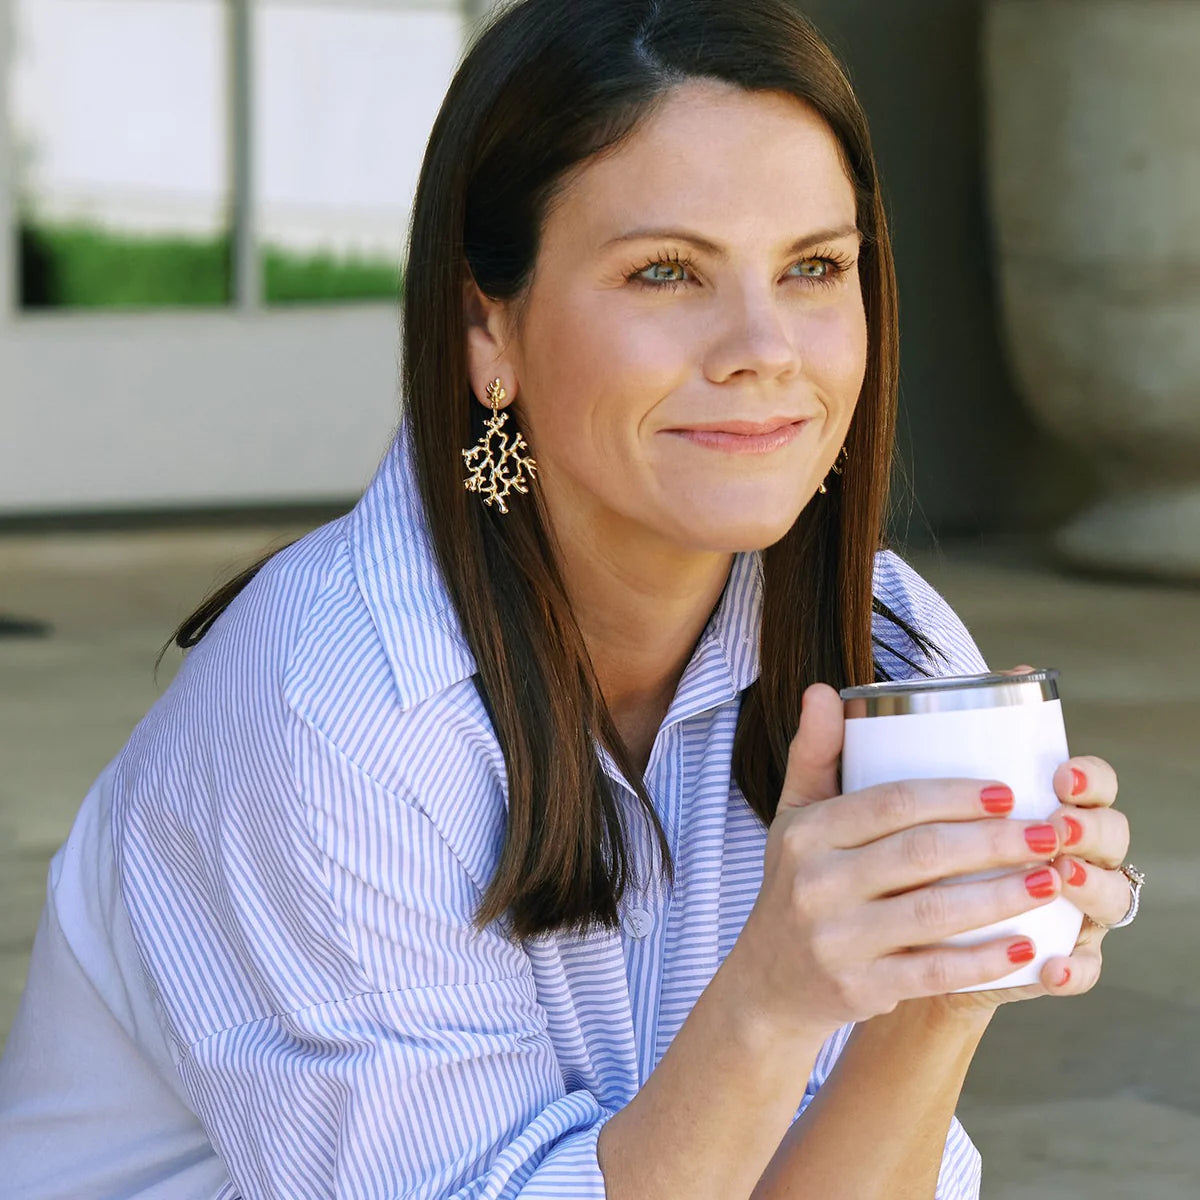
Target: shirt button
[(638, 922)]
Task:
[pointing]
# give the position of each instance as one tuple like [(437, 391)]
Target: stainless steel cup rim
[(950, 692)]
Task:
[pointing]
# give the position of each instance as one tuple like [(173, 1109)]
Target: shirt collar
[(402, 586), (401, 582)]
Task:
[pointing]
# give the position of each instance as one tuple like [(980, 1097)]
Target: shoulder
[(327, 649), (306, 763), (229, 692), (225, 700), (348, 631), (214, 751), (911, 597), (335, 687)]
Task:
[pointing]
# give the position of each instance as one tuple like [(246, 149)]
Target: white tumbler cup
[(1004, 727)]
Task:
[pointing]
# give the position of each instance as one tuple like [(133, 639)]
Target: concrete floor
[(1094, 1097)]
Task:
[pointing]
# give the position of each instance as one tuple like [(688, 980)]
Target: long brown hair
[(545, 86)]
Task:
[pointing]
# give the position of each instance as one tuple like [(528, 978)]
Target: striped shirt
[(256, 973)]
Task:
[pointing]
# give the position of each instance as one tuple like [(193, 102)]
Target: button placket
[(670, 785), (675, 792)]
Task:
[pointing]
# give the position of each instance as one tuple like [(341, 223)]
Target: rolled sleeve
[(960, 1177), (340, 1026), (443, 1092)]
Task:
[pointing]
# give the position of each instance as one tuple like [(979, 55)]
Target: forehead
[(713, 155)]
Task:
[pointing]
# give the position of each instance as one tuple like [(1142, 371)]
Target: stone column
[(1093, 110)]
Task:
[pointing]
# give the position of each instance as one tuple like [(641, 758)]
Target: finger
[(1075, 975), (1103, 895), (1099, 835), (1086, 781), (859, 818), (924, 853), (812, 766), (940, 910), (934, 972), (1023, 669)]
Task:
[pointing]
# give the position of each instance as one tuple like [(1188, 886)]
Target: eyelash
[(837, 265)]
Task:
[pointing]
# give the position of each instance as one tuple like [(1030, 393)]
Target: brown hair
[(545, 86)]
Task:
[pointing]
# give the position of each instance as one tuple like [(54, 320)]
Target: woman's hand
[(1096, 838), (850, 908)]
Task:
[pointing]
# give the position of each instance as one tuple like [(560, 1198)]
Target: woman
[(489, 843)]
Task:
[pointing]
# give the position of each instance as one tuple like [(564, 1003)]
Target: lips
[(742, 437), (741, 428)]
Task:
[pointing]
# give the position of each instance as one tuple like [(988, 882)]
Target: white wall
[(167, 410)]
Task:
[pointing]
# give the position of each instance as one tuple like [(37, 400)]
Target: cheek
[(595, 364), (835, 345)]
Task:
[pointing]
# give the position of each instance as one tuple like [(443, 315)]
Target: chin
[(726, 536), (751, 515)]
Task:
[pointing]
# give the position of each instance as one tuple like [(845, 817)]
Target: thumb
[(812, 766)]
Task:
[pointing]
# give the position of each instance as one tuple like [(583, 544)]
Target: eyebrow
[(719, 251)]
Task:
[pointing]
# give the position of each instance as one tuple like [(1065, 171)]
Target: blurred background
[(202, 215)]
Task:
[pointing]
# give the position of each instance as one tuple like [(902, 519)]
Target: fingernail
[(997, 798), (1040, 884), (1042, 839), (1077, 876), (1064, 978), (1021, 952), (1078, 781), (1074, 831)]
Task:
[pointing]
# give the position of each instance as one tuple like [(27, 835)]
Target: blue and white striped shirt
[(256, 974)]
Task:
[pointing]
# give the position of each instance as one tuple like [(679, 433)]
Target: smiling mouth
[(742, 437), (742, 428)]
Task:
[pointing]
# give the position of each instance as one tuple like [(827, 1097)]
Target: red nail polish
[(1074, 831), (1042, 839), (1066, 977), (1078, 781), (1021, 952), (998, 798), (1040, 884), (1077, 876)]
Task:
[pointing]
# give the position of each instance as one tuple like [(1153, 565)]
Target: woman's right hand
[(849, 907)]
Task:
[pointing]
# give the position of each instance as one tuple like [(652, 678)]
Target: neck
[(641, 609)]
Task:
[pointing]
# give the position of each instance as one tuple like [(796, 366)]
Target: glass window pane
[(345, 96), (120, 133)]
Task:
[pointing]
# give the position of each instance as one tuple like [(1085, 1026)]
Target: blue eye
[(824, 271), (670, 271), (674, 266)]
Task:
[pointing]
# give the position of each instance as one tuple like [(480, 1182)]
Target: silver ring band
[(1136, 879)]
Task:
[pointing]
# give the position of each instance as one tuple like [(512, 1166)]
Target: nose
[(754, 339)]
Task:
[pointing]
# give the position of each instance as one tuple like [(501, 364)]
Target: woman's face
[(693, 341)]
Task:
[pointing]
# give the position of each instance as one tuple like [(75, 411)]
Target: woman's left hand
[(1095, 839)]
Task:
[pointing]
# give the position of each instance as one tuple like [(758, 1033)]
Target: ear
[(488, 356)]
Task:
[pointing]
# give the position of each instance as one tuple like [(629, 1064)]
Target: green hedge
[(80, 266)]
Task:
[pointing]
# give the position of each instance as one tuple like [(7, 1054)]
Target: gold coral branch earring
[(838, 463), (491, 476)]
